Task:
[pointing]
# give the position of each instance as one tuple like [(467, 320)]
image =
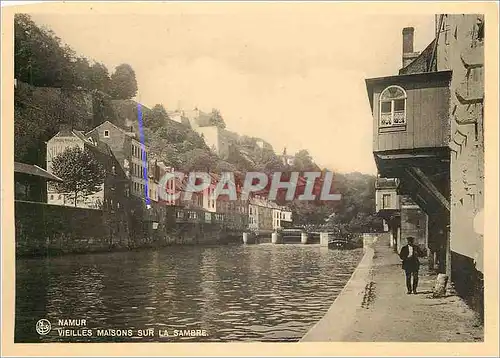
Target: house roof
[(264, 203), (422, 63), (99, 146), (131, 135), (424, 77), (35, 170)]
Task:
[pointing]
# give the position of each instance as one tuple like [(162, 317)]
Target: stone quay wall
[(43, 229)]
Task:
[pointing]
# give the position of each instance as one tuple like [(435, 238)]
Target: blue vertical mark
[(143, 154)]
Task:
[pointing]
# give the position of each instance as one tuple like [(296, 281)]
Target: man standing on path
[(409, 254)]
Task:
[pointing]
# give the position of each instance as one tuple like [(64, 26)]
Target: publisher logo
[(43, 327)]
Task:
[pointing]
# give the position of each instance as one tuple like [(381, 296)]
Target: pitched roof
[(99, 146), (131, 135), (34, 170), (422, 63), (264, 203)]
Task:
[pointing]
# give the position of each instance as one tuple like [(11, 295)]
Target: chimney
[(408, 39), (408, 54)]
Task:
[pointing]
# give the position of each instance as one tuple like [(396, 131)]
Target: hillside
[(38, 112), (66, 89)]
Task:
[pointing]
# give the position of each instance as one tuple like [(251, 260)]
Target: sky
[(291, 76)]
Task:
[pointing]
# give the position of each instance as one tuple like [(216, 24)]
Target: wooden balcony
[(411, 135), (410, 111)]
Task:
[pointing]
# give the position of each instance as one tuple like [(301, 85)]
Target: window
[(106, 134), (392, 107), (386, 201)]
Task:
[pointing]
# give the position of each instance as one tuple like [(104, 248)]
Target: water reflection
[(257, 292)]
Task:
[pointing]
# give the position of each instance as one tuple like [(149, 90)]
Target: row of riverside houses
[(428, 145), (129, 164), (266, 216)]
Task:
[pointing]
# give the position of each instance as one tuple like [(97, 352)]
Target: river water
[(228, 293)]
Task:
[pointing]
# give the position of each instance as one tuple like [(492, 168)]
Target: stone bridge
[(297, 235)]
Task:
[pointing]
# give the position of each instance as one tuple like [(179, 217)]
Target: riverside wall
[(342, 312), (43, 229)]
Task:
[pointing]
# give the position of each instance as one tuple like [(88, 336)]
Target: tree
[(160, 110), (123, 82), (39, 57), (216, 119), (240, 158), (172, 134), (156, 118), (99, 77), (224, 166), (81, 71), (80, 171), (198, 160), (268, 161), (303, 162)]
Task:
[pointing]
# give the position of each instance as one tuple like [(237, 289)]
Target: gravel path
[(381, 311)]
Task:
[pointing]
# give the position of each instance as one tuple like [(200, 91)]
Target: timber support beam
[(418, 175)]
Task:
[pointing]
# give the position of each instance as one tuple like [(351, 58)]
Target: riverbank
[(374, 307)]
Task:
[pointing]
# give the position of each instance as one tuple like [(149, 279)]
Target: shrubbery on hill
[(55, 86)]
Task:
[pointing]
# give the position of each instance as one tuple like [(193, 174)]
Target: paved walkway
[(374, 307)]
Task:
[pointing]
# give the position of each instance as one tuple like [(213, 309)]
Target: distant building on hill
[(262, 144), (218, 139)]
